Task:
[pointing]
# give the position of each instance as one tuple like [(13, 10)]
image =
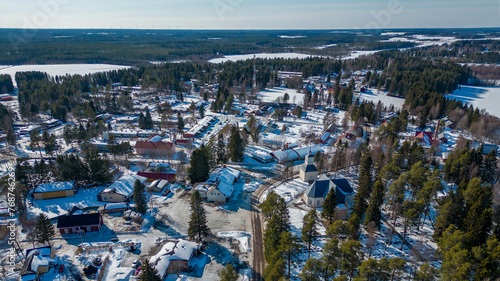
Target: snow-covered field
[(60, 69), (260, 56), (291, 189), (480, 97), (242, 237), (270, 95), (377, 95), (357, 54)]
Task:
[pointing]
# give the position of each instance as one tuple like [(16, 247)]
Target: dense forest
[(134, 47), (6, 85)]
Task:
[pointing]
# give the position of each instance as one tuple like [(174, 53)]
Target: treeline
[(6, 85)]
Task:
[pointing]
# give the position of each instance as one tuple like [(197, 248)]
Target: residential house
[(121, 190), (54, 190), (78, 221), (175, 257), (223, 180), (154, 149), (37, 262), (347, 138)]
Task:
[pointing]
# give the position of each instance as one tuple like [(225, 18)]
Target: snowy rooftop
[(125, 185), (55, 186)]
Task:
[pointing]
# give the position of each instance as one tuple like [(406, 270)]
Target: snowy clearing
[(59, 69), (270, 95), (377, 95)]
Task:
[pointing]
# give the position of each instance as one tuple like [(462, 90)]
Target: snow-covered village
[(375, 165)]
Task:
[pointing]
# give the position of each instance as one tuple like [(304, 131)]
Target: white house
[(175, 257), (223, 180)]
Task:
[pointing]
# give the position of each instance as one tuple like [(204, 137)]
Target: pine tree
[(148, 272), (330, 262), (44, 229), (311, 271), (351, 257), (198, 166), (236, 145), (299, 112), (198, 228), (426, 273), (11, 137), (140, 197), (228, 274), (221, 150), (35, 141), (329, 206), (310, 229), (374, 212), (49, 143), (288, 248)]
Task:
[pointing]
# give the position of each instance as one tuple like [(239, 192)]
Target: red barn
[(168, 176), (74, 223)]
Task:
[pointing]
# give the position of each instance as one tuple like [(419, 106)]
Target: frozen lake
[(480, 97), (59, 69)]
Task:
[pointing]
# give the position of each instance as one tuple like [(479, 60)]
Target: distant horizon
[(249, 15), (254, 29)]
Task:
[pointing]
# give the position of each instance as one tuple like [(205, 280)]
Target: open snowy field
[(270, 95), (59, 69), (260, 56), (375, 95), (480, 97)]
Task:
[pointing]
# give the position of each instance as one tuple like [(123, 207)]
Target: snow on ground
[(242, 237), (60, 206), (296, 218), (260, 56), (480, 97), (251, 186), (375, 95), (270, 95), (356, 54), (290, 190), (59, 69), (291, 36)]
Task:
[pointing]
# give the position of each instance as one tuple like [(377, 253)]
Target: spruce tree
[(365, 185), (198, 228), (201, 111), (44, 229), (149, 273), (374, 212), (489, 167), (329, 206), (198, 166), (236, 145), (140, 197), (180, 122)]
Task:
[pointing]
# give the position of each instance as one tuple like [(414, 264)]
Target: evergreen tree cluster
[(6, 85)]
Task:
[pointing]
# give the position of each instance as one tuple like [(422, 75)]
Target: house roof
[(153, 145), (55, 186), (347, 136), (182, 250), (344, 185), (78, 220), (125, 185)]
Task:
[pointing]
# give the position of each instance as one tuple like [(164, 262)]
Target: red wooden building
[(76, 223)]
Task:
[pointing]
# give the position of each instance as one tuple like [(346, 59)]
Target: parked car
[(136, 264), (114, 239)]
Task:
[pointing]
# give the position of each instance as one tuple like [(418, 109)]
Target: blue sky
[(248, 14)]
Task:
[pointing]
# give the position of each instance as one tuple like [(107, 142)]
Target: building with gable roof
[(315, 194)]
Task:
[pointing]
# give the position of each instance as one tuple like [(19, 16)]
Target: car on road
[(114, 239), (61, 268)]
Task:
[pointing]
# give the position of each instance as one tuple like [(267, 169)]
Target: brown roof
[(154, 145), (348, 136)]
